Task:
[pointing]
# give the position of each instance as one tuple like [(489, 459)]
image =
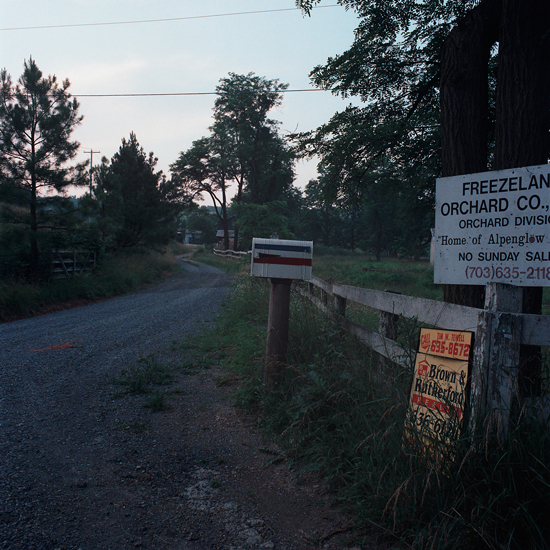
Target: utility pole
[(91, 151)]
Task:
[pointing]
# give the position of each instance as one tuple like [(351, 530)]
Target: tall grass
[(233, 265), (337, 413), (117, 274), (405, 276)]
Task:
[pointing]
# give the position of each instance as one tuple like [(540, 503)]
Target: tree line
[(133, 204), (443, 87)]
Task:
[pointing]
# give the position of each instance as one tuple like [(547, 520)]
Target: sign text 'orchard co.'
[(494, 227)]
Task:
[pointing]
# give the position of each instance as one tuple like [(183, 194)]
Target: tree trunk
[(523, 85), (235, 238), (34, 259), (523, 120), (352, 229), (464, 96), (522, 114), (225, 222), (225, 226), (240, 182), (378, 235)]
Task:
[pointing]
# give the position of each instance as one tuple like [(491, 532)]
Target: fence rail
[(67, 263), (499, 331), (535, 329), (229, 253)]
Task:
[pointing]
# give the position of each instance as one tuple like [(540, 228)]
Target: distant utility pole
[(91, 167)]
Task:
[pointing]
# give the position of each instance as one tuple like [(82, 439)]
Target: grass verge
[(118, 274), (229, 264), (138, 379)]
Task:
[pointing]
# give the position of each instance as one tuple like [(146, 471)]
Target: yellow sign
[(437, 400)]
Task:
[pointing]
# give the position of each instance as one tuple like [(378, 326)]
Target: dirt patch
[(195, 476)]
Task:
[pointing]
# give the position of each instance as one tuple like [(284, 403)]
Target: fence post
[(277, 330), (494, 377), (387, 328), (340, 305)]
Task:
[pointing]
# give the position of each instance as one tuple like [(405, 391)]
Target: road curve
[(52, 364), (84, 469)]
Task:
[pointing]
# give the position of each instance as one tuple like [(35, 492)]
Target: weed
[(157, 402), (138, 378)]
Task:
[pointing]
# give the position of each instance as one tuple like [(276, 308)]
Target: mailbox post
[(281, 261)]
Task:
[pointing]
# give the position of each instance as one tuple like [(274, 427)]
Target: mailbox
[(281, 259)]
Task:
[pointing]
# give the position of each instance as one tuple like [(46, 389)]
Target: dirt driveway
[(82, 469)]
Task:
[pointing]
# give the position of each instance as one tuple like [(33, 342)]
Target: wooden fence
[(499, 331), (229, 253), (67, 263)]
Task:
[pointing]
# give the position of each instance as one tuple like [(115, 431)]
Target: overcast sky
[(196, 45)]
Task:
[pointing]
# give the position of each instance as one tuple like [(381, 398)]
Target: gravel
[(83, 469)]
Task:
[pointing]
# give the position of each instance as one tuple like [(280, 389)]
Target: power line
[(170, 19), (185, 93)]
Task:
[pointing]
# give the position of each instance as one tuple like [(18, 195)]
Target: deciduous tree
[(243, 150), (413, 62), (203, 169)]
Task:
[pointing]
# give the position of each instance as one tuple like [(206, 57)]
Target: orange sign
[(446, 343), (436, 405)]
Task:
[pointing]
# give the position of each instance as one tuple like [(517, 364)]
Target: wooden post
[(494, 377), (387, 328), (340, 305), (277, 330)]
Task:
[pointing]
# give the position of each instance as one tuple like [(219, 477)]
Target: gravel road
[(83, 469)]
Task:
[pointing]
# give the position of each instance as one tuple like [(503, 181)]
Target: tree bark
[(523, 120), (464, 98), (378, 235), (35, 254), (522, 28), (523, 85)]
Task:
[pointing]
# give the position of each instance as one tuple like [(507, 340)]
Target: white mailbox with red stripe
[(282, 259)]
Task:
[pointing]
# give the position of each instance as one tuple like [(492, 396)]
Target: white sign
[(493, 227), (281, 259)]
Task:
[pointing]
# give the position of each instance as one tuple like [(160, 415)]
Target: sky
[(196, 45)]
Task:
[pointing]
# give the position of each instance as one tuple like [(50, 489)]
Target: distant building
[(220, 238), (192, 237)]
